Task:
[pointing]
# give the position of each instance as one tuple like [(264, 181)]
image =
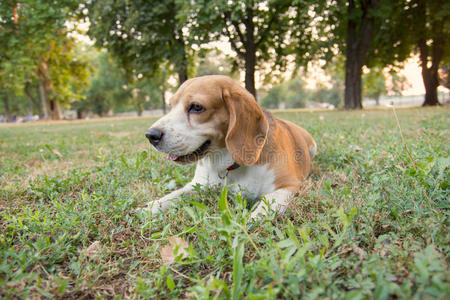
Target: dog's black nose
[(154, 136)]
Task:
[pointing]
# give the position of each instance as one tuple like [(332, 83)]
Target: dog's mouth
[(194, 156)]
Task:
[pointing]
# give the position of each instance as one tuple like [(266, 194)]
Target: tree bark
[(431, 83), (79, 114), (7, 109), (430, 75), (358, 42), (139, 104), (34, 101), (182, 76), (250, 53), (377, 100), (250, 61), (52, 108), (43, 95), (353, 73), (55, 110)]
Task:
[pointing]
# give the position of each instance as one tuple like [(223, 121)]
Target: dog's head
[(209, 113)]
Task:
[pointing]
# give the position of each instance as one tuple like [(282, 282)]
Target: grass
[(372, 221)]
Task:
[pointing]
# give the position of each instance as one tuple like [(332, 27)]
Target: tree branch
[(233, 43), (365, 30), (238, 30), (439, 44), (423, 49), (234, 46)]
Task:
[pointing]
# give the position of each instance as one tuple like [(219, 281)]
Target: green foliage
[(431, 26), (374, 83), (35, 43), (290, 95), (68, 71), (388, 43), (332, 95), (108, 89), (372, 221), (261, 33), (215, 62), (144, 35), (294, 94)]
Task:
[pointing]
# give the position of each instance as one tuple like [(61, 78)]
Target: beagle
[(218, 124)]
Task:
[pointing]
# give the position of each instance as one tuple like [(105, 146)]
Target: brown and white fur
[(222, 119)]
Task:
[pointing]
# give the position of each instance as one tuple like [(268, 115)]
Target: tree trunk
[(182, 75), (431, 83), (52, 108), (34, 101), (358, 42), (139, 109), (353, 73), (55, 110), (43, 95), (79, 114), (250, 73), (377, 100), (430, 54), (7, 109), (250, 54)]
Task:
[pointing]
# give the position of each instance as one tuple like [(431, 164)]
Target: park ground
[(372, 221)]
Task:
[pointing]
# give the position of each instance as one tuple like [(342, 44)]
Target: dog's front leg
[(202, 176), (276, 201), (168, 200)]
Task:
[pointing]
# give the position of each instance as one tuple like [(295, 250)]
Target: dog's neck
[(219, 160)]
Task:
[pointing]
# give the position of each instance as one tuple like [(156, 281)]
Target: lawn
[(372, 221)]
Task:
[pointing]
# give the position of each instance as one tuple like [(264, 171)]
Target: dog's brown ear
[(247, 126)]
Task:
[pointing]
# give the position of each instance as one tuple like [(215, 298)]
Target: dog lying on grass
[(218, 124)]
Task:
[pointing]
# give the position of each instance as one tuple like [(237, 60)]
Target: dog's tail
[(312, 146), (312, 149)]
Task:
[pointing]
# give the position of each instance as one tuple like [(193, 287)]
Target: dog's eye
[(196, 108)]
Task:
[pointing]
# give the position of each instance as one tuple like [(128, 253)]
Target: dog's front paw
[(154, 207), (157, 206), (258, 214)]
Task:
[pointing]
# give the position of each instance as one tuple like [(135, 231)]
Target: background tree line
[(43, 66)]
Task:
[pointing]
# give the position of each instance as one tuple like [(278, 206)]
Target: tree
[(108, 87), (259, 31), (398, 83), (335, 69), (62, 75), (290, 94), (14, 63), (429, 31), (374, 84), (37, 43), (157, 87), (367, 32), (331, 95), (215, 62), (142, 35), (377, 82)]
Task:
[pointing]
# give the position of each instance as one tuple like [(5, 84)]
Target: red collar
[(234, 166)]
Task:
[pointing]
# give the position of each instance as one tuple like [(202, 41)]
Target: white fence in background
[(415, 100)]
